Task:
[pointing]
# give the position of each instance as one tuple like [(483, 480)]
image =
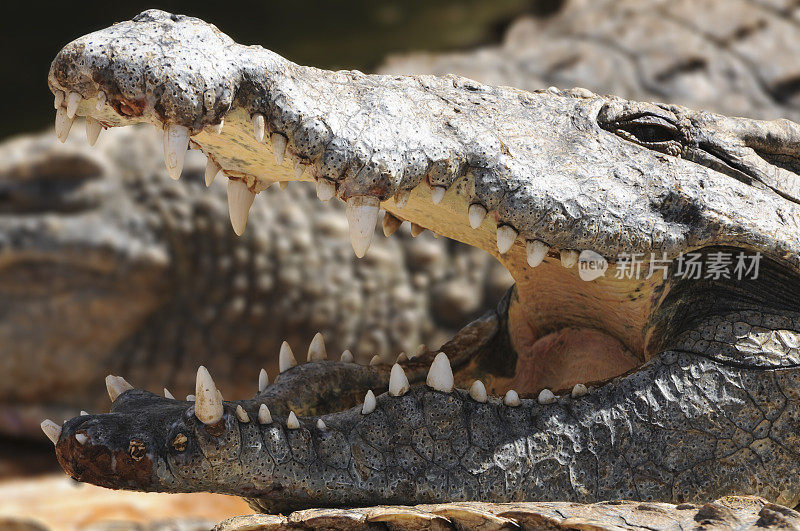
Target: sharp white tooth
[(437, 194), (505, 238), (325, 189), (283, 184), (264, 416), (63, 124), (258, 126), (579, 390), (240, 199), (83, 413), (241, 414), (362, 216), (416, 230), (401, 198), (546, 396), (263, 381), (286, 357), (402, 357), (212, 169), (58, 99), (116, 385), (93, 128), (316, 350), (478, 392), (208, 402), (347, 357), (569, 258), (398, 382), (278, 147), (321, 425), (82, 438), (176, 142), (52, 430), (477, 213), (292, 423), (536, 251), (376, 360), (73, 100), (369, 403), (511, 399), (218, 127), (440, 375), (101, 100), (190, 398), (167, 394), (390, 224)]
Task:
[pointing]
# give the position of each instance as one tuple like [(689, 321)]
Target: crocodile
[(588, 381), (107, 265)]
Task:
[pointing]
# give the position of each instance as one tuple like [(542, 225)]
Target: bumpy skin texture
[(713, 408), (107, 266), (699, 53)]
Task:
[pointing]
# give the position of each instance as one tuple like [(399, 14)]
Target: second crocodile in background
[(670, 386)]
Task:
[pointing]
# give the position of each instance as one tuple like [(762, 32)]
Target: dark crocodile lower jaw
[(692, 382)]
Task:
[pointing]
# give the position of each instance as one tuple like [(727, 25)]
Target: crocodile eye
[(136, 449), (651, 133)]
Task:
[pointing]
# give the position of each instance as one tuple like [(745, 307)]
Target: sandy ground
[(57, 502)]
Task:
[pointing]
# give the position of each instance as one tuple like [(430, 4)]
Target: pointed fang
[(286, 359), (362, 216), (369, 403), (240, 199), (264, 416), (208, 402), (52, 430), (398, 382), (316, 350), (176, 142), (116, 385), (440, 375)]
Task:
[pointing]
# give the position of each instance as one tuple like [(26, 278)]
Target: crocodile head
[(671, 385)]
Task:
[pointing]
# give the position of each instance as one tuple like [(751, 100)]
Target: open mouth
[(556, 185)]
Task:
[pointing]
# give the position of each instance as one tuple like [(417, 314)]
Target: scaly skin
[(106, 265), (696, 381)]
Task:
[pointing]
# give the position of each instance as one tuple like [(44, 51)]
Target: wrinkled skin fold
[(693, 383)]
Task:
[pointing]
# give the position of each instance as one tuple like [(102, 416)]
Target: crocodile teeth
[(416, 230), (321, 425), (241, 414), (375, 361), (440, 375), (258, 126), (264, 416), (369, 403), (299, 168), (73, 100), (478, 392), (240, 199), (278, 147), (283, 184), (325, 189), (63, 124), (569, 258), (316, 350), (292, 423), (390, 224), (58, 99), (579, 390), (511, 399), (347, 357), (116, 385), (536, 252), (263, 380), (476, 215), (401, 198), (167, 394), (93, 128), (546, 396), (218, 127), (505, 238), (398, 382), (190, 398), (437, 194), (362, 216), (84, 413), (212, 169), (52, 430), (82, 438), (101, 100), (208, 401), (176, 142), (286, 357)]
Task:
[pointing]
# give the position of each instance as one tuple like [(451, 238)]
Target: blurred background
[(107, 266)]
